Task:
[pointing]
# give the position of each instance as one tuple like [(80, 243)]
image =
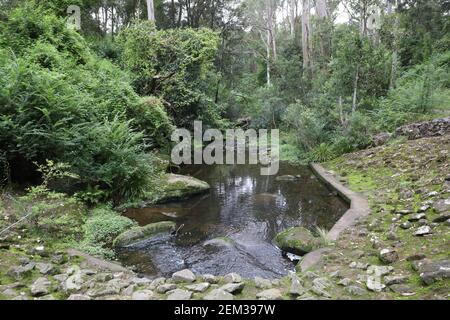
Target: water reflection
[(243, 206)]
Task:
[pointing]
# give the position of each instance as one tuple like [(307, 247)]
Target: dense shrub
[(59, 101), (171, 64)]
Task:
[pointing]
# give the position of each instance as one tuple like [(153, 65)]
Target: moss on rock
[(298, 240), (139, 233)]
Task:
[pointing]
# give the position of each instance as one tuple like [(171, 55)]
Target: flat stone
[(143, 295), (359, 265), (423, 222), (404, 212), (179, 294), (128, 291), (416, 257), (21, 271), (417, 217), (402, 289), (296, 288), (40, 287), (388, 256), (320, 292), (345, 282), (9, 292), (355, 290), (232, 278), (233, 287), (199, 287), (335, 274), (210, 278), (157, 282), (185, 275), (322, 283), (77, 296), (163, 288), (423, 231), (373, 283), (442, 206), (269, 294), (395, 280), (380, 271), (218, 294), (74, 282), (431, 272), (406, 225), (103, 277), (442, 218), (262, 283), (45, 268)]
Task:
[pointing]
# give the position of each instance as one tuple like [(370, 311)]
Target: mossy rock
[(179, 187), (139, 233), (298, 240)]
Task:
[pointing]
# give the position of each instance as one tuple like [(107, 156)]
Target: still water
[(245, 211)]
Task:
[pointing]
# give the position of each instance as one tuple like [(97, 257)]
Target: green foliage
[(321, 153), (307, 125), (112, 157), (422, 90), (171, 64), (61, 102), (100, 230)]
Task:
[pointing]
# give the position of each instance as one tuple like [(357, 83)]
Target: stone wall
[(434, 128)]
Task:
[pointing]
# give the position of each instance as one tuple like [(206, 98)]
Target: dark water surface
[(243, 206)]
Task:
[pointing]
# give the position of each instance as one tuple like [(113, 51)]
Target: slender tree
[(150, 10)]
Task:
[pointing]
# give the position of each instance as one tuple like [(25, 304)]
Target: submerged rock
[(139, 233), (286, 178), (298, 240), (219, 242)]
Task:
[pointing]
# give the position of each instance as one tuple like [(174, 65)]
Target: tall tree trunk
[(292, 16), (271, 28), (321, 9), (306, 34), (150, 10), (355, 90), (268, 59)]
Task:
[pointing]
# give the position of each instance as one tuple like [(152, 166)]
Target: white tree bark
[(321, 9), (150, 10), (306, 34)]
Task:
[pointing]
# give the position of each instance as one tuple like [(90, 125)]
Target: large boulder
[(179, 187), (298, 240), (139, 233)]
